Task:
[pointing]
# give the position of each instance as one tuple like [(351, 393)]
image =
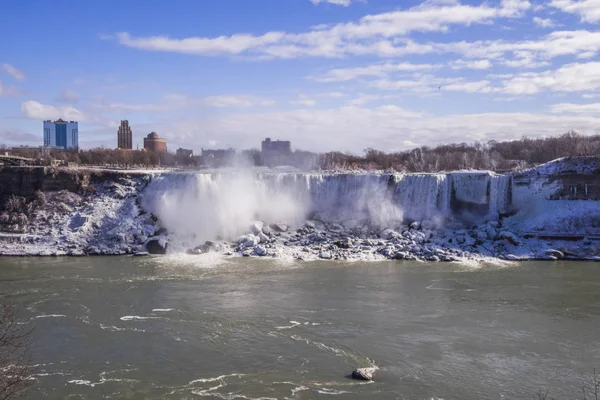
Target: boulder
[(279, 227), (257, 227), (388, 234), (267, 230), (364, 374), (345, 243), (557, 254), (157, 246), (260, 251), (310, 224), (415, 225), (510, 237), (325, 255), (263, 238), (427, 224), (482, 236)]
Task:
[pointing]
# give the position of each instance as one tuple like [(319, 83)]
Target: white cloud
[(344, 3), (304, 101), (368, 98), (576, 108), (17, 136), (471, 64), (237, 101), (176, 101), (321, 129), (575, 77), (14, 72), (69, 97), (35, 110), (543, 22), (9, 91), (332, 94), (587, 10), (375, 70), (470, 87), (372, 34)]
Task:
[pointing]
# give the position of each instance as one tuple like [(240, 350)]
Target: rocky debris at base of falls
[(157, 246)]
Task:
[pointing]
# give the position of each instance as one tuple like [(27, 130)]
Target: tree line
[(493, 155)]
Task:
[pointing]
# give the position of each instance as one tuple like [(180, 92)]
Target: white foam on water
[(136, 317), (217, 378), (332, 391), (162, 309), (50, 316), (293, 325), (80, 382)]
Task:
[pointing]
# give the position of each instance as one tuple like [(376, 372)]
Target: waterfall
[(423, 196), (204, 206), (500, 194)]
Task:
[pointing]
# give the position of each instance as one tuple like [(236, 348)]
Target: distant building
[(184, 153), (61, 134), (217, 158), (275, 152), (125, 136), (154, 143), (276, 147)]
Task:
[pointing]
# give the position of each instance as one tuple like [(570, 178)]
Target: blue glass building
[(61, 134)]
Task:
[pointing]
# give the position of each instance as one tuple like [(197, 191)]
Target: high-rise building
[(61, 134), (124, 136), (154, 143), (275, 152)]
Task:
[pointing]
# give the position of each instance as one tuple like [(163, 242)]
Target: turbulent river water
[(184, 327)]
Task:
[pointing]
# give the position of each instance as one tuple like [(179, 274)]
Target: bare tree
[(15, 366)]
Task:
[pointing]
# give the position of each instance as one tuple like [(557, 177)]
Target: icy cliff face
[(224, 204)]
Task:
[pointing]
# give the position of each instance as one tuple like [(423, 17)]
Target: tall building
[(275, 152), (125, 136), (276, 147), (61, 134), (154, 143)]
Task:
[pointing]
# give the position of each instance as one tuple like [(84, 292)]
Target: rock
[(248, 240), (279, 227), (325, 255), (482, 236), (263, 238), (345, 243), (511, 237), (310, 224), (415, 225), (388, 234), (260, 251), (557, 254), (492, 234), (427, 224), (257, 227), (267, 230), (364, 374), (157, 246)]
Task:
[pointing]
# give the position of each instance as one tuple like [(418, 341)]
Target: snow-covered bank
[(550, 212)]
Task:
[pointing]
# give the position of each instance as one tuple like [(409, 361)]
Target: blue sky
[(328, 74)]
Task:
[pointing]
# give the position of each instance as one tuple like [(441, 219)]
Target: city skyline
[(340, 75)]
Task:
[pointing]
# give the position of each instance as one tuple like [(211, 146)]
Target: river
[(185, 327)]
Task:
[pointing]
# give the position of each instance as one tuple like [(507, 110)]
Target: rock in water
[(157, 246), (364, 374)]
